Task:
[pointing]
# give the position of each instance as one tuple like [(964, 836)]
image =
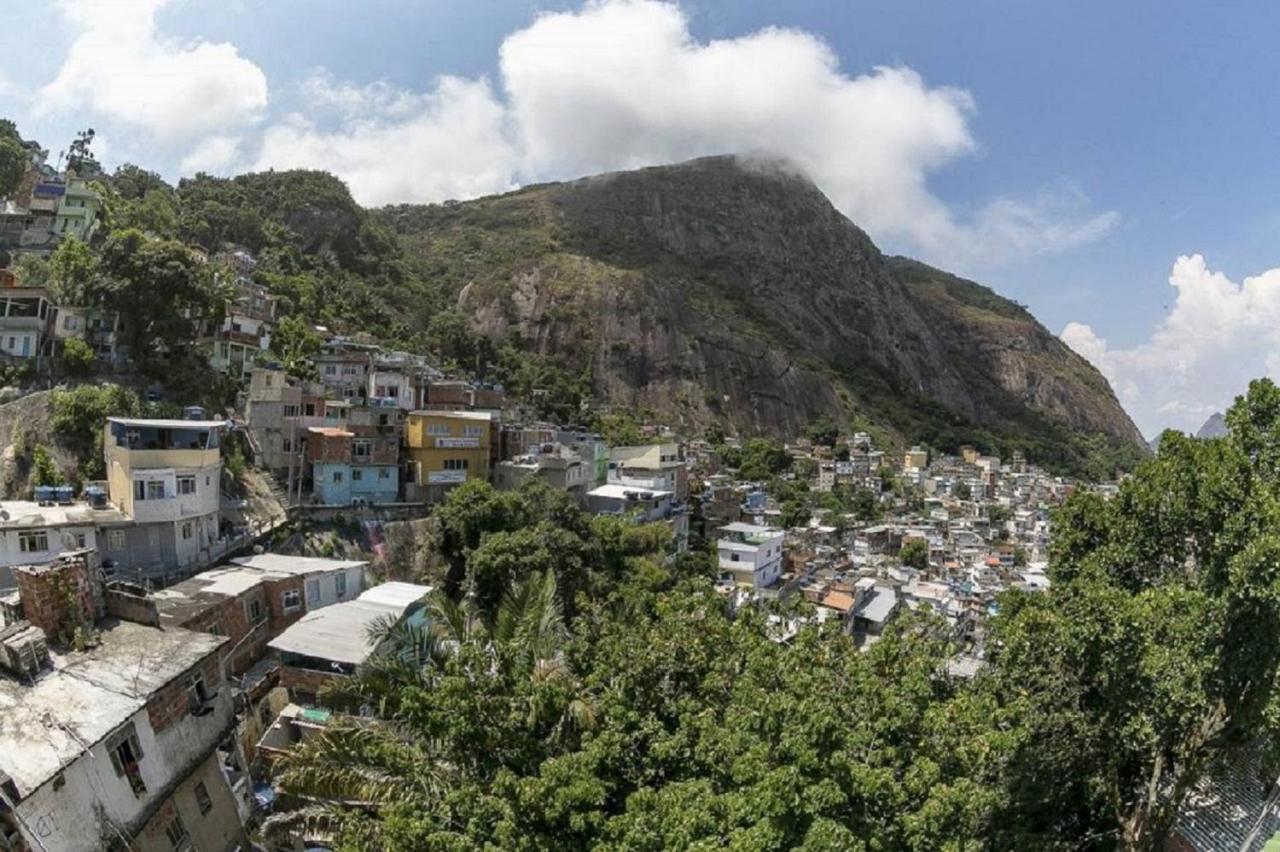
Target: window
[(268, 379), (456, 464), (286, 445), (199, 698), (187, 484), (253, 609), (357, 475), (177, 833), (126, 752), (186, 530), (115, 539), (337, 476), (155, 489), (438, 429), (733, 557), (473, 431), (313, 590), (310, 409), (340, 584), (291, 411), (330, 369), (33, 541), (384, 473), (70, 323), (291, 600), (361, 448)]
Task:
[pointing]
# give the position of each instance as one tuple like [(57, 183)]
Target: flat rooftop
[(461, 415), (87, 695), (340, 632), (181, 601), (167, 424), (615, 491), (25, 514), (750, 529), (280, 563)]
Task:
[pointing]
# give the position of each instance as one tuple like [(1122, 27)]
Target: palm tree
[(362, 764)]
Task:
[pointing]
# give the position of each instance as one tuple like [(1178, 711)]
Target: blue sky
[(1077, 157)]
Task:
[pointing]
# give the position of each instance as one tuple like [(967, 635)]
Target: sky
[(1110, 165)]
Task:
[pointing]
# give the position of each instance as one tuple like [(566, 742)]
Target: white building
[(124, 743), (751, 554), (31, 533), (325, 581), (166, 476)]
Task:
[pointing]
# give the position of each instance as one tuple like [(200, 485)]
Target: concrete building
[(448, 447), (330, 643), (750, 555), (33, 533), (324, 581), (353, 464), (657, 466), (78, 210), (555, 464), (26, 321), (245, 331), (126, 743), (915, 458), (166, 477)]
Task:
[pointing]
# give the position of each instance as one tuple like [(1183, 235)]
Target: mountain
[(1214, 427), (729, 290)]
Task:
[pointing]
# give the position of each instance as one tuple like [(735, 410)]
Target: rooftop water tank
[(96, 496), (46, 494), (65, 493)]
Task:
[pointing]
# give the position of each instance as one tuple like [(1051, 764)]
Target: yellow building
[(916, 459), (448, 447)]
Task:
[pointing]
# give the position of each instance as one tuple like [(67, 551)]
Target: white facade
[(751, 553), (395, 385), (325, 581), (62, 739)]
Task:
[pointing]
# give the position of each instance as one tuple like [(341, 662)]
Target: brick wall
[(277, 618), (56, 596), (130, 603), (169, 704), (305, 680), (328, 448)]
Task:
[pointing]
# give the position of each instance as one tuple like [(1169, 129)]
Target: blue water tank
[(46, 493), (193, 412), (96, 497), (65, 493)]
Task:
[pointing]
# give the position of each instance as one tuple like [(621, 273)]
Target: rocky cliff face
[(729, 290)]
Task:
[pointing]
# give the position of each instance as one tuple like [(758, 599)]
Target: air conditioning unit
[(23, 648)]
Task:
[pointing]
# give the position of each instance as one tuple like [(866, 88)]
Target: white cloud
[(1218, 336), (215, 155), (451, 146), (122, 69), (623, 83)]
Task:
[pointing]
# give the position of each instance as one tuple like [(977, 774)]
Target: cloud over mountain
[(1217, 337)]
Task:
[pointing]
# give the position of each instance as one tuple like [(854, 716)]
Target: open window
[(126, 757)]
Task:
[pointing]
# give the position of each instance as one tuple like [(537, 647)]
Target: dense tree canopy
[(654, 716)]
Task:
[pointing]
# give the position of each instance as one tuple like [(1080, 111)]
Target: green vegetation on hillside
[(576, 704)]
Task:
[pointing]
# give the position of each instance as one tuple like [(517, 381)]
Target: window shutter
[(115, 762), (136, 746)]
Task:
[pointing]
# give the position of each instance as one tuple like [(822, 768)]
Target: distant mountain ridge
[(731, 290), (1214, 427)]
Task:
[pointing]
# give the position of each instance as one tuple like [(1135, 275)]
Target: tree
[(14, 160), (915, 554), (295, 344), (1155, 655), (824, 432), (159, 288), (78, 356), (43, 470), (73, 274)]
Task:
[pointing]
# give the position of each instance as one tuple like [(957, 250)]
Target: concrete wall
[(74, 817)]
